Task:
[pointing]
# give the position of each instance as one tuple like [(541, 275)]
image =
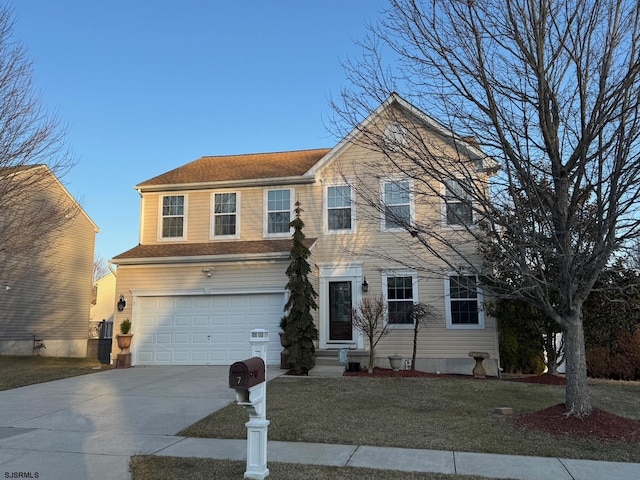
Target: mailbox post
[(249, 379)]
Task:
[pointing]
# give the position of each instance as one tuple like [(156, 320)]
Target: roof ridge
[(264, 153)]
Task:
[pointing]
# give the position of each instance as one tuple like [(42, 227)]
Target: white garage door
[(204, 330)]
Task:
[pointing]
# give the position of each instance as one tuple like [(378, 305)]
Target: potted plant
[(395, 361), (124, 339), (285, 342)]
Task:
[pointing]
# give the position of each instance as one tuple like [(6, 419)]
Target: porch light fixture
[(208, 271), (121, 303), (365, 285)]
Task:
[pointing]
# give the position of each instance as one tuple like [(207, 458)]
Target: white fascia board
[(254, 182), (234, 258)]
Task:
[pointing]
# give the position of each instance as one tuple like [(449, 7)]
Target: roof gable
[(467, 146), (16, 171)]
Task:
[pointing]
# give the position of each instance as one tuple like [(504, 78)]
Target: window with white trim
[(458, 206), (278, 211), (463, 299), (397, 201), (225, 214), (173, 212), (400, 290), (340, 208)]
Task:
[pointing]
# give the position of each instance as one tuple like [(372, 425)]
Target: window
[(463, 299), (339, 208), (225, 213), (458, 203), (278, 211), (397, 204), (401, 292), (395, 136), (173, 216)]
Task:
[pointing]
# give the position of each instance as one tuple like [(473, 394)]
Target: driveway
[(87, 427)]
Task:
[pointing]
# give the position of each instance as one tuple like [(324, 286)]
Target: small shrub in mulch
[(600, 425)]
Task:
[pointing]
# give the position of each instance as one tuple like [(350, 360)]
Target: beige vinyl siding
[(251, 213), (188, 279), (52, 297), (369, 246)]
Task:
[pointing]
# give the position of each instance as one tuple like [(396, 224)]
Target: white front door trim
[(336, 272)]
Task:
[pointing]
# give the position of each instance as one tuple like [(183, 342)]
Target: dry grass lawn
[(20, 371), (171, 468), (426, 413)]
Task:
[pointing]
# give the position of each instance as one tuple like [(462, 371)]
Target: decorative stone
[(503, 411)]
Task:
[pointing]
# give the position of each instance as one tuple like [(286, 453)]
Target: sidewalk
[(432, 461)]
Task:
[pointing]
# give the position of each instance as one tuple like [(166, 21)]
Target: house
[(103, 304), (214, 248), (46, 257)]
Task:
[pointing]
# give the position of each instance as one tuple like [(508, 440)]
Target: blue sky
[(147, 86)]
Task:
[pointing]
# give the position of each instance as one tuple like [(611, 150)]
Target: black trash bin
[(104, 351)]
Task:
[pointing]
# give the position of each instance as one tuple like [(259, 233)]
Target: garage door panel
[(200, 338), (204, 330), (182, 338), (164, 321), (163, 303), (147, 321), (199, 320)]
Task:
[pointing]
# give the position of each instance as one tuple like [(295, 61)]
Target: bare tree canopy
[(100, 268), (33, 157), (549, 90)]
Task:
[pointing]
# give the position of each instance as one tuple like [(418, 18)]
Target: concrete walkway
[(87, 428)]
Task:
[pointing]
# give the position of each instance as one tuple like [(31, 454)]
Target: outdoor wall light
[(208, 271), (365, 285), (121, 303)]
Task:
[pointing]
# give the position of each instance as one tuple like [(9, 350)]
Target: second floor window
[(278, 211), (225, 211), (173, 211), (458, 203), (396, 196), (339, 208)]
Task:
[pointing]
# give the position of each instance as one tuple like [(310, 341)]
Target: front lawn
[(427, 413), (19, 371)]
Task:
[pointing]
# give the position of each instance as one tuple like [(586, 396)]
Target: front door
[(340, 327)]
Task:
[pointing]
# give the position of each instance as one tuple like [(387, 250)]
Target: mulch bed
[(387, 372), (600, 425), (545, 379)]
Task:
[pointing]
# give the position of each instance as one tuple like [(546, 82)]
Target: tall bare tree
[(33, 156), (549, 90)]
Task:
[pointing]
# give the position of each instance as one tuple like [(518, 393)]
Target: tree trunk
[(577, 399), (415, 345), (552, 354), (372, 358)]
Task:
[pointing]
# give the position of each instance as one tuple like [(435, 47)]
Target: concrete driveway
[(87, 427)]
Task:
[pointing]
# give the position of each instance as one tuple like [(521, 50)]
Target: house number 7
[(239, 381)]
